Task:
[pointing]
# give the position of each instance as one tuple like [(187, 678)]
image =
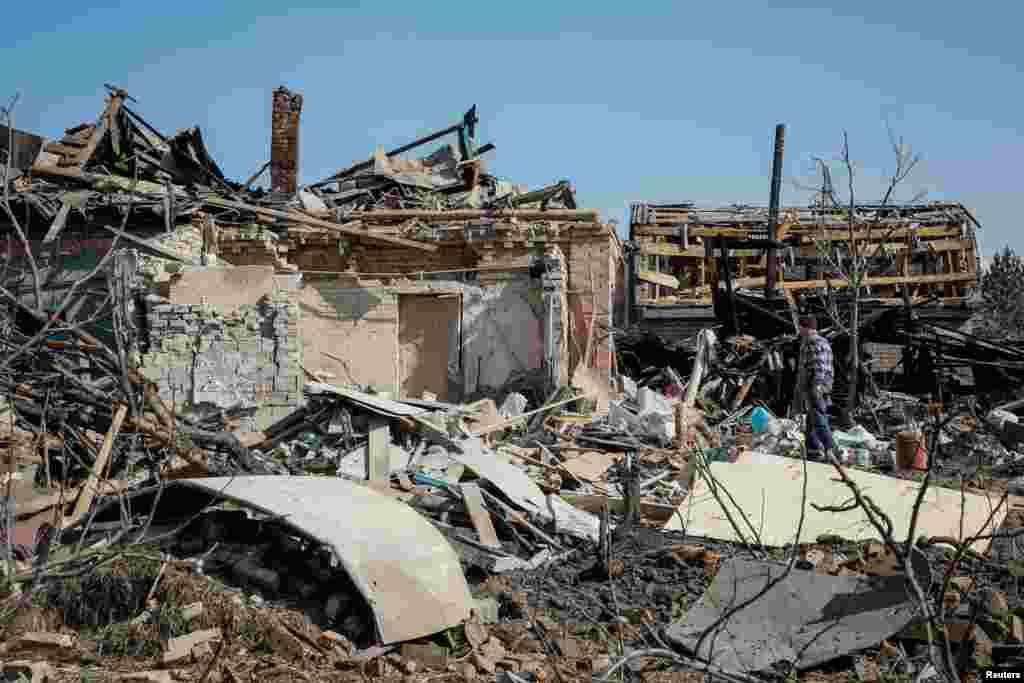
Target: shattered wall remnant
[(502, 334), (284, 147), (591, 257), (556, 318), (239, 347), (354, 330), (502, 317)]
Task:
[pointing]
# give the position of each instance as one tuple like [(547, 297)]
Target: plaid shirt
[(816, 365)]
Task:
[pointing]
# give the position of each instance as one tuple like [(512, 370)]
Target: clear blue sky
[(658, 101)]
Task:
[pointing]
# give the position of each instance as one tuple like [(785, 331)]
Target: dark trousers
[(819, 426)]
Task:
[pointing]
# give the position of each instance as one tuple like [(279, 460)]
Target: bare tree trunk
[(857, 273), (853, 368)]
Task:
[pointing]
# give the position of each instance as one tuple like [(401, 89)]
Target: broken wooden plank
[(104, 124), (878, 281), (948, 245), (670, 249), (66, 497), (345, 229), (479, 515), (834, 232), (146, 247), (99, 468), (47, 168), (659, 279), (59, 221)]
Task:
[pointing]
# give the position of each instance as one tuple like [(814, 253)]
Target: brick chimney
[(284, 141)]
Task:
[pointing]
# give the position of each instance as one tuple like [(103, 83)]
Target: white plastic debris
[(997, 418), (514, 405)]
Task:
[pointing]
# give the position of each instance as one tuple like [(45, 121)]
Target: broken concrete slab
[(772, 485), (401, 564), (805, 619)]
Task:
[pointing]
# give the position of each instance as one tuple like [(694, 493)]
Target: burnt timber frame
[(929, 249)]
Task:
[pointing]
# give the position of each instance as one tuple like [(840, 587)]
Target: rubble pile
[(586, 521)]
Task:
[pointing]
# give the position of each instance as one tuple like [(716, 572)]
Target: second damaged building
[(929, 249), (690, 268)]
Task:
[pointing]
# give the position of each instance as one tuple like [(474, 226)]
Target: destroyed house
[(675, 271), (411, 276)]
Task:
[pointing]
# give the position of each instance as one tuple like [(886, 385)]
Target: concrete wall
[(503, 333), (350, 332), (498, 336)]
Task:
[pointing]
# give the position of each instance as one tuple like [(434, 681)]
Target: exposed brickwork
[(284, 145), (246, 357)]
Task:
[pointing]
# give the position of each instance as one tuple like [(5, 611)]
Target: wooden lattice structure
[(930, 248)]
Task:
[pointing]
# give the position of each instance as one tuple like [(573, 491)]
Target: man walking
[(814, 383)]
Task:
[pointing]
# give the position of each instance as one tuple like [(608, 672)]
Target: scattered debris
[(382, 425)]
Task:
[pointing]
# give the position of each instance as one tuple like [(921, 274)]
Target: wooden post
[(478, 514), (378, 451), (99, 468)]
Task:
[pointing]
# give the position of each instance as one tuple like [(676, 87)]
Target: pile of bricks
[(247, 357)]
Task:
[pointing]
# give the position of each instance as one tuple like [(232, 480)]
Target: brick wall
[(248, 356), (284, 142)]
